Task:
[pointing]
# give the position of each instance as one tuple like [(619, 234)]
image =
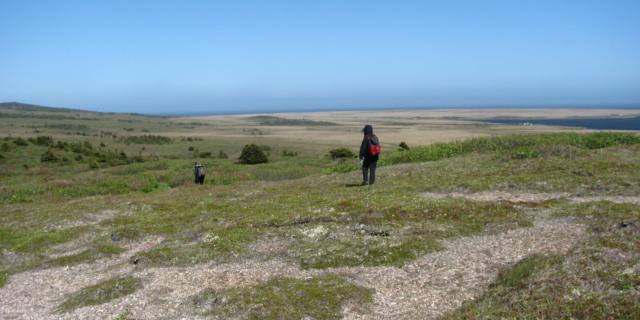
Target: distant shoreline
[(320, 110)]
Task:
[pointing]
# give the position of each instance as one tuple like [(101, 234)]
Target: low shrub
[(42, 141), (341, 153), (48, 156), (287, 153), (20, 142), (252, 154)]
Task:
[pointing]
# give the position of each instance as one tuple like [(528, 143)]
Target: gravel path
[(529, 197), (423, 289)]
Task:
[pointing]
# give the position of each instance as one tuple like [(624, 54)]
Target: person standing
[(199, 173), (369, 155)]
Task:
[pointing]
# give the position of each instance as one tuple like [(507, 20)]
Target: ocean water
[(587, 123)]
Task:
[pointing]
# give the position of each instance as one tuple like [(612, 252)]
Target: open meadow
[(100, 217)]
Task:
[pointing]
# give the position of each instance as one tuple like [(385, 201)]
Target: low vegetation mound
[(285, 298), (341, 153), (100, 293), (253, 154)]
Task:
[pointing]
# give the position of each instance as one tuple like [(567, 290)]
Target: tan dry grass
[(416, 127)]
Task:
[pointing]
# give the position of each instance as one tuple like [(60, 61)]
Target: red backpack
[(374, 149)]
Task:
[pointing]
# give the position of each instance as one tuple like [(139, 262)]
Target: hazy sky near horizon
[(224, 56)]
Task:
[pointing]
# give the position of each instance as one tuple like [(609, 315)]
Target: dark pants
[(369, 172), (200, 179)]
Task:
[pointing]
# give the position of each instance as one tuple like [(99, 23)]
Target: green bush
[(205, 154), (403, 146), (43, 141), (252, 154), (287, 153), (341, 153), (20, 142), (222, 155), (93, 164), (48, 156)]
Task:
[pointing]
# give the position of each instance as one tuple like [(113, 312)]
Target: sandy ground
[(415, 127), (424, 289), (443, 114)]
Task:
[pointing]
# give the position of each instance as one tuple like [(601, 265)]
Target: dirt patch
[(529, 197)]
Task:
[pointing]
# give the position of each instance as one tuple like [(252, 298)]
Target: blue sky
[(234, 56)]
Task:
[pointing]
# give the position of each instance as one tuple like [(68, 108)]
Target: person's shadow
[(351, 185)]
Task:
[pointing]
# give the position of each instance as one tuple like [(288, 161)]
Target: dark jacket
[(365, 152), (198, 171)]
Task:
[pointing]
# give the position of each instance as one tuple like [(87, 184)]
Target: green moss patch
[(100, 293), (86, 256), (285, 298), (3, 278)]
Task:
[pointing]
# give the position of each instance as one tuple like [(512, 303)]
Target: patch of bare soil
[(529, 197), (424, 289)]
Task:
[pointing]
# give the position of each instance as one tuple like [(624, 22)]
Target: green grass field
[(96, 183)]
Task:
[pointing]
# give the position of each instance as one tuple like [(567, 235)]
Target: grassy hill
[(85, 200), (25, 107)]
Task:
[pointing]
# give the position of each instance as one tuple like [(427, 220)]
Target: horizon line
[(630, 106)]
